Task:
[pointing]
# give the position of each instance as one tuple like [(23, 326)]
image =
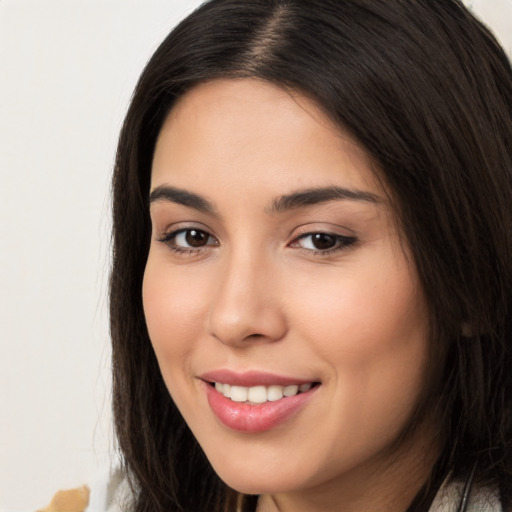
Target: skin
[(259, 295)]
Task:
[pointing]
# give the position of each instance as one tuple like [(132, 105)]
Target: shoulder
[(111, 493)]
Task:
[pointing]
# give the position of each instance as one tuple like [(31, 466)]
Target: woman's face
[(282, 306)]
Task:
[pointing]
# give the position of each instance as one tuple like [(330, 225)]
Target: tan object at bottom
[(72, 500)]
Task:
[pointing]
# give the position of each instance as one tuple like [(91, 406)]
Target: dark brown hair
[(427, 91)]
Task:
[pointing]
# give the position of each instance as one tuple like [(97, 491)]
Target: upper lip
[(251, 378)]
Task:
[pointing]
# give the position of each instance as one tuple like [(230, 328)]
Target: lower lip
[(255, 418)]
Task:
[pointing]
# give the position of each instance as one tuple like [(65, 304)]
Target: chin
[(247, 480)]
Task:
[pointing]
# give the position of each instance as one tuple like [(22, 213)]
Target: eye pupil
[(196, 238), (323, 241)]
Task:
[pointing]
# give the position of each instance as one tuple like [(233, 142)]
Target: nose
[(247, 307)]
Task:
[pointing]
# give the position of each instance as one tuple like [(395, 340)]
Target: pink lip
[(248, 418), (250, 378)]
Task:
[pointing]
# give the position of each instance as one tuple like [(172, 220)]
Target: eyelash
[(170, 240), (342, 242)]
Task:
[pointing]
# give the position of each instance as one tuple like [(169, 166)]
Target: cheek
[(366, 312), (372, 328), (174, 312)]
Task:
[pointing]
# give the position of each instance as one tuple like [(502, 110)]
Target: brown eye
[(323, 241), (187, 240), (196, 238)]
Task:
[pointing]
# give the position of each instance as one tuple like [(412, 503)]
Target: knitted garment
[(480, 500)]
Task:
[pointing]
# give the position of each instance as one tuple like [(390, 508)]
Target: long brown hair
[(427, 91)]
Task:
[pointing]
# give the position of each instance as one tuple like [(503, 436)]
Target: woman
[(311, 286)]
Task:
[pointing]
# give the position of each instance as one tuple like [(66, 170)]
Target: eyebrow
[(295, 200), (312, 196), (183, 197)]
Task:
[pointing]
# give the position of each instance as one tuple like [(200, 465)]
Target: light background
[(67, 69)]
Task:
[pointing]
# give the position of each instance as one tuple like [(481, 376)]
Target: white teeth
[(260, 394), (274, 393), (239, 393), (291, 390), (257, 394)]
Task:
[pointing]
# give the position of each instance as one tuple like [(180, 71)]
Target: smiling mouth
[(256, 395)]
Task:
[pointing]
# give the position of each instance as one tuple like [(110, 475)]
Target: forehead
[(227, 131)]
